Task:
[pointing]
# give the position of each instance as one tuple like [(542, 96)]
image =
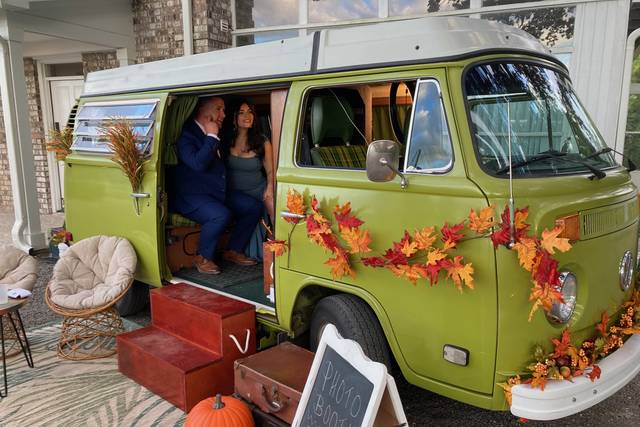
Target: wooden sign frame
[(384, 407)]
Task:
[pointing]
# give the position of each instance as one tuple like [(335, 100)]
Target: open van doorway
[(253, 284)]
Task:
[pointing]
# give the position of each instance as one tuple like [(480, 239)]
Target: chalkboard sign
[(346, 389), (339, 396)]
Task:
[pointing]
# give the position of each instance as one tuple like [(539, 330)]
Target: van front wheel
[(354, 320), (136, 299)]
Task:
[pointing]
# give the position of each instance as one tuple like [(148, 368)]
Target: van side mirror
[(382, 157)]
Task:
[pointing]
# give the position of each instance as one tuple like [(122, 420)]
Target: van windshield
[(534, 111)]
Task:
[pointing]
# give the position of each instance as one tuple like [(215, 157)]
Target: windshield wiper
[(630, 163), (551, 154)]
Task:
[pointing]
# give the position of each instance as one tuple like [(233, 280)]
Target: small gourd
[(220, 411)]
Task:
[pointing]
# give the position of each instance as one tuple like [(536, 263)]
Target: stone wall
[(95, 61), (207, 30), (5, 180), (157, 25)]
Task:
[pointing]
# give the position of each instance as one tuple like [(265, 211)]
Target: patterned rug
[(88, 393)]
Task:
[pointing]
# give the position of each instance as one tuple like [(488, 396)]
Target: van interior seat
[(332, 128), (177, 220)]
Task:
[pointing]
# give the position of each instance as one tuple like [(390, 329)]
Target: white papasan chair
[(88, 279), (17, 270)]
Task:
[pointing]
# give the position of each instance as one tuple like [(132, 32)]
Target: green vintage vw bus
[(414, 123)]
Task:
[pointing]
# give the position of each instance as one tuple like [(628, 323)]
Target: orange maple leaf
[(460, 273), (435, 255), (424, 238), (409, 248), (357, 239), (551, 241), (562, 345), (595, 373), (340, 266), (539, 380), (278, 247), (527, 249), (295, 205), (410, 272), (543, 296), (520, 217), (602, 326), (481, 222)]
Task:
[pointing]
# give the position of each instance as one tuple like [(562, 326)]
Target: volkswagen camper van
[(396, 127)]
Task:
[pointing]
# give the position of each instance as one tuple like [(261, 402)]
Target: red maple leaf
[(432, 272), (406, 238), (595, 373), (546, 272), (562, 344), (602, 326), (344, 217), (451, 234), (396, 257), (502, 235), (373, 261)]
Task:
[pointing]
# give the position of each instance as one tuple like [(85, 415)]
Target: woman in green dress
[(249, 160)]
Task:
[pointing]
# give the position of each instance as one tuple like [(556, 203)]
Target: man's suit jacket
[(200, 173)]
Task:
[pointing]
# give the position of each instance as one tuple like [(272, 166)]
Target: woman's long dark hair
[(255, 140)]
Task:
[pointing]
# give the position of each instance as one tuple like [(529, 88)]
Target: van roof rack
[(390, 43)]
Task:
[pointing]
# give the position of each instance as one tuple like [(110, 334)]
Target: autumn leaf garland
[(426, 253)]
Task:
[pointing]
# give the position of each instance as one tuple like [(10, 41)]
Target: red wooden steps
[(187, 354)]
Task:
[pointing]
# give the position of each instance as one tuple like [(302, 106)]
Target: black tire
[(354, 320), (136, 299)]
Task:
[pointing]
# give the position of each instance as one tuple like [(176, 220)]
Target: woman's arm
[(267, 163)]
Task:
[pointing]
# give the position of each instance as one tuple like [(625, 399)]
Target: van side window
[(429, 147), (340, 122), (93, 115)]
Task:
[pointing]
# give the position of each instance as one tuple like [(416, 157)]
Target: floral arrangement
[(60, 235), (122, 141), (426, 253), (568, 361), (60, 142)]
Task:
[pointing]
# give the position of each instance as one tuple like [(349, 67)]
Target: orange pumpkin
[(220, 412)]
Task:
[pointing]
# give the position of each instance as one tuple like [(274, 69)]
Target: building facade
[(59, 41)]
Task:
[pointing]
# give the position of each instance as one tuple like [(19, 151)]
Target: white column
[(598, 60), (187, 27), (26, 232), (125, 56), (383, 8), (303, 16)]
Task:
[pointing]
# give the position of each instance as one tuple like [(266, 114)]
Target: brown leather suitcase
[(273, 379)]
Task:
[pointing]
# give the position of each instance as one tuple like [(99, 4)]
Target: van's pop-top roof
[(387, 43)]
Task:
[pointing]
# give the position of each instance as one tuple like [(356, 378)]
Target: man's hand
[(211, 126)]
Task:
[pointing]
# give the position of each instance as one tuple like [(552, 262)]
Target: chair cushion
[(177, 220), (346, 156), (17, 269), (93, 272)]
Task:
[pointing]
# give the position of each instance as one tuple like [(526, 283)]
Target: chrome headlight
[(562, 312), (626, 270)]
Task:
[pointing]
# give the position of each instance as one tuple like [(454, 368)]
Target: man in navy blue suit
[(199, 189)]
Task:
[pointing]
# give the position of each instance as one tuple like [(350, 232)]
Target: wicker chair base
[(90, 337)]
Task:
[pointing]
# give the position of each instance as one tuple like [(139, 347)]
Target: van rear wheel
[(354, 320)]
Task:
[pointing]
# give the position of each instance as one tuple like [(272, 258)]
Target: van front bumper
[(562, 398)]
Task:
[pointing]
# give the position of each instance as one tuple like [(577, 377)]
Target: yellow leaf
[(409, 248), (278, 247), (434, 256), (551, 241), (295, 202), (357, 240), (527, 250), (482, 221), (460, 273), (340, 266), (520, 218), (424, 238)]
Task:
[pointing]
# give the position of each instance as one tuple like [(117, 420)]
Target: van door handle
[(140, 195), (285, 214)]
